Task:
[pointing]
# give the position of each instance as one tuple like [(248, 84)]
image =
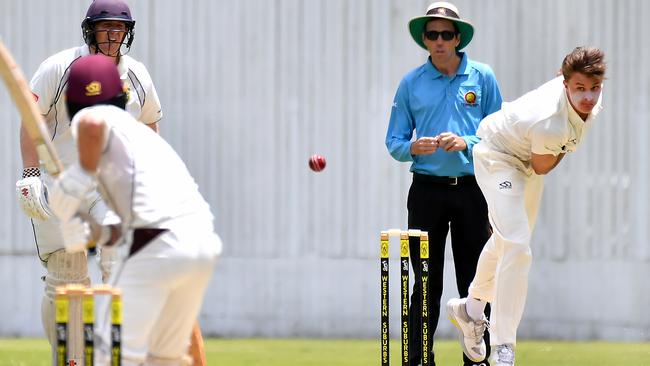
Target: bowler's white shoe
[(470, 331), (503, 355)]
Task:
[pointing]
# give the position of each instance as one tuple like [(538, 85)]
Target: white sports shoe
[(470, 331), (503, 355)]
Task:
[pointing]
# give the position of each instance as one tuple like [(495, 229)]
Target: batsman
[(108, 29), (168, 239)]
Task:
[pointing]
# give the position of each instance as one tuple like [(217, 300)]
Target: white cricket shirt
[(142, 178), (541, 121), (49, 84)]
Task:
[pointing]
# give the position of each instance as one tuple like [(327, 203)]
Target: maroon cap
[(93, 79)]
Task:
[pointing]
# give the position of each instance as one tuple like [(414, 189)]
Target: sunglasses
[(446, 35)]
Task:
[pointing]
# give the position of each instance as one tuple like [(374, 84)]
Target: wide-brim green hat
[(441, 10)]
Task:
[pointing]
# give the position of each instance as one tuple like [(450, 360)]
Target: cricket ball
[(317, 163)]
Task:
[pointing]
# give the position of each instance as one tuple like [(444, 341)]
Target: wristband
[(31, 172)]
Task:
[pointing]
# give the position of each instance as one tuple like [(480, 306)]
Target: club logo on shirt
[(94, 88), (470, 98), (505, 185)]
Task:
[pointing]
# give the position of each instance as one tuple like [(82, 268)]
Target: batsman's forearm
[(90, 141), (28, 150)]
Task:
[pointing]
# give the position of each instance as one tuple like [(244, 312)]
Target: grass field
[(289, 352)]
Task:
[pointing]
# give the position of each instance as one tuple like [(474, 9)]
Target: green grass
[(287, 352)]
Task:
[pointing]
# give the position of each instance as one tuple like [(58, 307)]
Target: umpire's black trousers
[(440, 205)]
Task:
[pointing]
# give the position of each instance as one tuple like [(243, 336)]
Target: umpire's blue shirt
[(431, 103)]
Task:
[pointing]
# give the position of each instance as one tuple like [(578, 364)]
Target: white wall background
[(251, 88)]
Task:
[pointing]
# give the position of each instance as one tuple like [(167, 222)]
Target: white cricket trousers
[(513, 196), (163, 286)]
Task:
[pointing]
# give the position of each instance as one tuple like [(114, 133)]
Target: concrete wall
[(251, 88)]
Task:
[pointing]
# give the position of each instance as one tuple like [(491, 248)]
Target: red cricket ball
[(317, 163)]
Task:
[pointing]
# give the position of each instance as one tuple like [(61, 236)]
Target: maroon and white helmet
[(101, 10)]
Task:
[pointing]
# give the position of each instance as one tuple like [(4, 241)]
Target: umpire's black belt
[(142, 237), (450, 181)]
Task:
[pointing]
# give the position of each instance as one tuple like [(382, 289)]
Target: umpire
[(442, 101)]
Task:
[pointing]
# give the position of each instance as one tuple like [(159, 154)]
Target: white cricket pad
[(62, 269)]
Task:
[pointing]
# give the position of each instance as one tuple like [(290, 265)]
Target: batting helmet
[(94, 79), (101, 10)]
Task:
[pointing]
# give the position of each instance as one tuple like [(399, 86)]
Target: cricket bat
[(29, 112)]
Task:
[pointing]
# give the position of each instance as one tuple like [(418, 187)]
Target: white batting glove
[(31, 194), (69, 191), (76, 234)]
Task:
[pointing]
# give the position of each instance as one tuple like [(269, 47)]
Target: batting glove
[(76, 234), (31, 194), (69, 191)]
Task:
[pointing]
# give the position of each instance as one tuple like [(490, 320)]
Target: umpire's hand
[(424, 146)]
